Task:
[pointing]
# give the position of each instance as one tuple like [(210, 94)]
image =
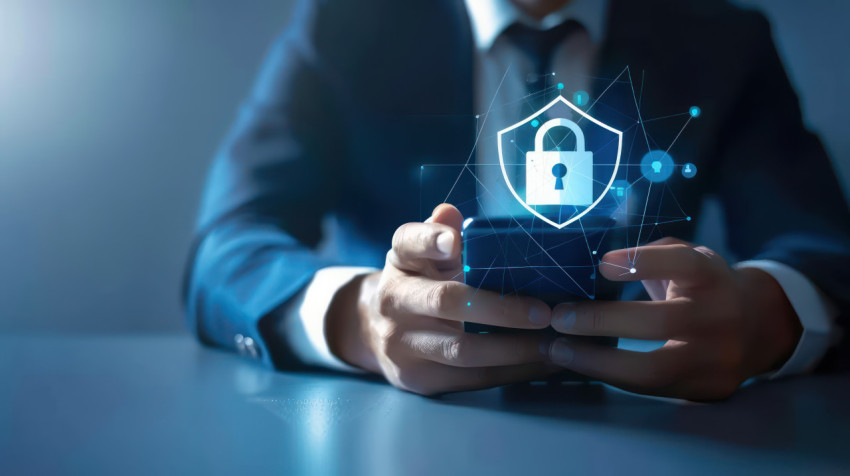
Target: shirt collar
[(490, 18)]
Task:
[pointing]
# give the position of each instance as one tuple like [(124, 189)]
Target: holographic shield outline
[(589, 118)]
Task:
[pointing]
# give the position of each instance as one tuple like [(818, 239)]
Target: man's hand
[(722, 326), (405, 322)]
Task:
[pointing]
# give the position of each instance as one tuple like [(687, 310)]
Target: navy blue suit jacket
[(355, 94)]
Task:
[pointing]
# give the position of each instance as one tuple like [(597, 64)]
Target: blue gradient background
[(110, 111)]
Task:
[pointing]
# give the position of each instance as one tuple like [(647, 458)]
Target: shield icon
[(560, 186)]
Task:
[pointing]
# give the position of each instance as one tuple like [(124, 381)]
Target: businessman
[(308, 255)]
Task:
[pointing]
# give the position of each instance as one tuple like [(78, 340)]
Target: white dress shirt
[(501, 75)]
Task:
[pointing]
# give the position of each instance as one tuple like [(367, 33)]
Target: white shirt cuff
[(303, 323), (815, 311)]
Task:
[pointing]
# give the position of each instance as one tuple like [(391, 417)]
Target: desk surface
[(154, 404)]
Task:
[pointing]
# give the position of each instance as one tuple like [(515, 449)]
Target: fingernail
[(445, 243), (539, 315), (560, 352), (564, 320)]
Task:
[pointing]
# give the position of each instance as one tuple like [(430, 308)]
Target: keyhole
[(559, 171)]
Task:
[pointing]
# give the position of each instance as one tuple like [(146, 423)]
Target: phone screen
[(529, 257)]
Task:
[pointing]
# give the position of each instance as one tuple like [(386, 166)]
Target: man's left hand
[(721, 325)]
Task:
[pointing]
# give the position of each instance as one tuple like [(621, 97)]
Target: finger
[(416, 241), (655, 320), (414, 295), (447, 214), (435, 379), (674, 262), (460, 349), (658, 372)]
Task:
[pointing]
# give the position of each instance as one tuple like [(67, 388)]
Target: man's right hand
[(406, 321)]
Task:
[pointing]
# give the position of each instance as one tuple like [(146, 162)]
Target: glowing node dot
[(477, 116), (688, 218), (553, 73), (560, 85), (421, 167), (594, 251), (633, 271), (468, 303), (534, 123), (694, 111), (466, 268)]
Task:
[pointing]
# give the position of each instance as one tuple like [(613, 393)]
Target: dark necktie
[(539, 46)]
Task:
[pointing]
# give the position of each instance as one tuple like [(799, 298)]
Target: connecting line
[(642, 82), (642, 218), (665, 117), (531, 237), (478, 133), (666, 152), (584, 234), (675, 200), (485, 276), (615, 265), (596, 100), (680, 133), (640, 118)]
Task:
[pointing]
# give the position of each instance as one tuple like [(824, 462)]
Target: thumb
[(447, 214)]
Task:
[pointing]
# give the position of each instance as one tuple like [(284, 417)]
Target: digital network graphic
[(580, 176)]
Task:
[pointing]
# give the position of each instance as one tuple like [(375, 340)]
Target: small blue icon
[(689, 170), (466, 268), (657, 166), (581, 98), (560, 85), (694, 111), (535, 123), (468, 303), (620, 189)]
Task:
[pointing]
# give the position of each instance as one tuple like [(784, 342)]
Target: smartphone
[(530, 257)]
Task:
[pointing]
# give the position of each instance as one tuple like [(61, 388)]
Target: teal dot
[(535, 123), (560, 85), (421, 167), (694, 111), (689, 218), (466, 268), (468, 303)]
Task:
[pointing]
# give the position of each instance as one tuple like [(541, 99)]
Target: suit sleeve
[(781, 197), (268, 188)]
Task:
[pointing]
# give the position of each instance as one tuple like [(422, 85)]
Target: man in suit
[(316, 182)]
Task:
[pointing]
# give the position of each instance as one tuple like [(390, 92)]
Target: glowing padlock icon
[(554, 177)]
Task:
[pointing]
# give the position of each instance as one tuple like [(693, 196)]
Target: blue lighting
[(560, 85), (468, 303), (535, 123), (466, 268), (694, 111)]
